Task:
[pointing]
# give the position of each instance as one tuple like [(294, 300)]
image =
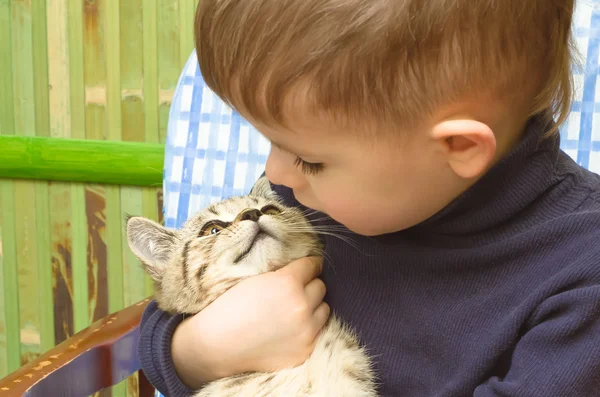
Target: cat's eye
[(211, 230), (270, 210), (212, 227)]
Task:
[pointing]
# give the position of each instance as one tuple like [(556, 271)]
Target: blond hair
[(385, 60)]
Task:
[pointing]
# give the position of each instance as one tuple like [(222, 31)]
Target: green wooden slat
[(22, 58), (81, 315), (186, 24), (94, 53), (45, 296), (133, 274), (114, 234), (122, 163), (150, 211), (113, 63), (42, 128), (6, 127), (40, 67), (132, 70), (132, 129), (151, 110), (24, 191), (7, 123), (169, 59), (77, 93), (3, 352), (11, 280), (150, 38), (131, 203), (115, 251), (58, 69), (113, 116), (27, 263)]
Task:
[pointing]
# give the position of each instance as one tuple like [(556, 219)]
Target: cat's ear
[(152, 243), (262, 188)]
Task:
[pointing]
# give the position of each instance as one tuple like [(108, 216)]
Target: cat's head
[(220, 246)]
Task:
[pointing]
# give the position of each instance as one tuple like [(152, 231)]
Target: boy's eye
[(309, 168)]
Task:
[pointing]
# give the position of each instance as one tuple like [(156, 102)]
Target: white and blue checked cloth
[(213, 153)]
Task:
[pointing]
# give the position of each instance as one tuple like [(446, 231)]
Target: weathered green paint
[(113, 69), (94, 70), (40, 68), (149, 210), (77, 93), (186, 23), (113, 108), (81, 315), (46, 304), (121, 163), (169, 35), (99, 70), (11, 280), (133, 273), (114, 234), (150, 72), (22, 58), (3, 352), (28, 287), (132, 71), (7, 118), (42, 217)]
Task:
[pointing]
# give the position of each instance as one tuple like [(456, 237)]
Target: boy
[(425, 128)]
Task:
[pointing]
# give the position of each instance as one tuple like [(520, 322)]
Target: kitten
[(225, 243)]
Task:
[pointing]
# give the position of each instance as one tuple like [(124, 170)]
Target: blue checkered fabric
[(581, 133), (213, 153)]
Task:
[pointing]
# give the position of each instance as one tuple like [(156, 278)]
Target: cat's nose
[(249, 214)]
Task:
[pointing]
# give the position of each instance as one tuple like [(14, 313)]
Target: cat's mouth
[(260, 235)]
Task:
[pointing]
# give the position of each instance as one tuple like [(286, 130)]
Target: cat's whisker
[(309, 211), (321, 228), (329, 260), (345, 239)]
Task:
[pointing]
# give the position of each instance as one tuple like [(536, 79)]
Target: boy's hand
[(265, 323)]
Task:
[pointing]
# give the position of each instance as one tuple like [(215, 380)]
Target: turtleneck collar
[(508, 188)]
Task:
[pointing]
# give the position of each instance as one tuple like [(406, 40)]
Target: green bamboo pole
[(92, 161)]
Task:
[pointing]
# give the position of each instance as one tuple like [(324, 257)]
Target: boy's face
[(372, 185)]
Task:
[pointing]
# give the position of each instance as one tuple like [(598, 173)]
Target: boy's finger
[(320, 316), (315, 292), (304, 269)]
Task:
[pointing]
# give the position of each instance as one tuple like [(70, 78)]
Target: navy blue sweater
[(497, 295)]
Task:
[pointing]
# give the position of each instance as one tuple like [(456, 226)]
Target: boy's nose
[(280, 170)]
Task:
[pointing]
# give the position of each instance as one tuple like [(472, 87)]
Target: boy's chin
[(373, 227), (372, 230)]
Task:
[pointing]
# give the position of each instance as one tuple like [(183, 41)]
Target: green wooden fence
[(98, 70)]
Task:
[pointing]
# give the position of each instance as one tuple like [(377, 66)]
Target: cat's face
[(220, 246)]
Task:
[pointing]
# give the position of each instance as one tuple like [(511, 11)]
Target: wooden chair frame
[(105, 353)]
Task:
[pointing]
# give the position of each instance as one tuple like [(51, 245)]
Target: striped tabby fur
[(225, 243)]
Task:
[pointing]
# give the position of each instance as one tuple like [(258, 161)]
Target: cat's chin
[(258, 247)]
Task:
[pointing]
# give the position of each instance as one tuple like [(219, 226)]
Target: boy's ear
[(469, 146), (262, 188), (152, 243)]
